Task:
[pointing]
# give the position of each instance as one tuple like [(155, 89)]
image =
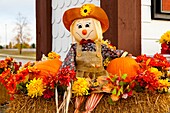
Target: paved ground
[(19, 58)]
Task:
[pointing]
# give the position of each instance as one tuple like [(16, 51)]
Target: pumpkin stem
[(124, 54)]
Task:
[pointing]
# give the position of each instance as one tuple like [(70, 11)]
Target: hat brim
[(96, 13)]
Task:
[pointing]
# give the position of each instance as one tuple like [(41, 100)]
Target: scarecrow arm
[(69, 61), (110, 52)]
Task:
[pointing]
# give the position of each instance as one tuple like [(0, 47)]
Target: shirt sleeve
[(69, 61), (110, 52)]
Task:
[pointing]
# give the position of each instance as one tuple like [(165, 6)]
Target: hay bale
[(4, 97), (26, 104), (138, 103)]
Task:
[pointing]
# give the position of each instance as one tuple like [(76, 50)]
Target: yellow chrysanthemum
[(108, 44), (35, 88), (85, 10), (165, 37), (80, 87), (163, 85), (21, 70), (33, 69), (53, 55), (106, 62), (155, 71)]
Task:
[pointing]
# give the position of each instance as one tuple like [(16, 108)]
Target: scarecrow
[(87, 53)]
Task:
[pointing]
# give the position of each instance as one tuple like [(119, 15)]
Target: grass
[(16, 52)]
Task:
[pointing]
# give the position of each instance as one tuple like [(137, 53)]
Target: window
[(160, 9)]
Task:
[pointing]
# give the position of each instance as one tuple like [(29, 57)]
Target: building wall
[(61, 38), (151, 30)]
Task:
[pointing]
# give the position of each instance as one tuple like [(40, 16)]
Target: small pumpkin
[(48, 66), (123, 65)]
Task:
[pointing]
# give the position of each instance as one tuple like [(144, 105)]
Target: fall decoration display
[(123, 65), (33, 79), (147, 91), (92, 77)]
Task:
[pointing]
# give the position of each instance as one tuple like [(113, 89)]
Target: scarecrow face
[(84, 29)]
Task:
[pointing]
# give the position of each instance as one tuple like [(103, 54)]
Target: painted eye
[(79, 26), (87, 25)]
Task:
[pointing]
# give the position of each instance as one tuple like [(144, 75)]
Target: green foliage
[(124, 76), (114, 91), (24, 45), (33, 45), (1, 70), (114, 78), (121, 83), (1, 47), (22, 87), (6, 46), (10, 45)]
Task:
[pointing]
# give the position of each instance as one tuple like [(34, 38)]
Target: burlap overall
[(89, 63)]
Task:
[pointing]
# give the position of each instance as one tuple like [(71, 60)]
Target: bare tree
[(22, 30)]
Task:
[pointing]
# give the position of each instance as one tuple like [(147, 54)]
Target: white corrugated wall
[(151, 30)]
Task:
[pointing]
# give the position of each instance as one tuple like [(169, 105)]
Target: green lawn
[(16, 52)]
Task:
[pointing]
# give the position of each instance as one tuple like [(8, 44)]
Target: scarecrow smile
[(86, 36)]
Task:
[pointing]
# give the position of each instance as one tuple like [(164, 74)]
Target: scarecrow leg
[(68, 97), (92, 102), (79, 100)]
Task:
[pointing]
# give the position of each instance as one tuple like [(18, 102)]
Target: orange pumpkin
[(48, 66), (123, 65)]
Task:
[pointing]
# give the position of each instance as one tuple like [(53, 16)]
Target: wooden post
[(43, 28), (125, 24)]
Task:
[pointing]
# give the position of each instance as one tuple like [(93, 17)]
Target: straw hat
[(86, 11)]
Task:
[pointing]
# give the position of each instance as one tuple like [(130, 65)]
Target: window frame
[(156, 12)]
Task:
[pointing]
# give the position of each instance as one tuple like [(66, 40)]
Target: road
[(23, 60), (31, 50), (17, 58)]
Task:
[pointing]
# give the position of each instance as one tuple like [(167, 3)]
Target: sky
[(9, 10)]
